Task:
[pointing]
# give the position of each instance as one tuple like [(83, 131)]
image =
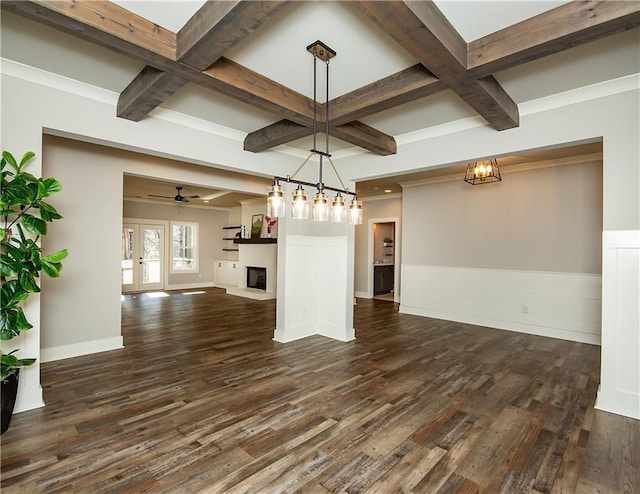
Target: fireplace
[(256, 278)]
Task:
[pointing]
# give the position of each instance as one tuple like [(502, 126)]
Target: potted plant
[(25, 215)]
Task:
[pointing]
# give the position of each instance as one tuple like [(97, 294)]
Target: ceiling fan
[(178, 197)]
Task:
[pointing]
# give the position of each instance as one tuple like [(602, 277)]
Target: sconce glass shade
[(299, 204), (355, 212), (275, 201), (338, 209), (483, 172), (320, 207)]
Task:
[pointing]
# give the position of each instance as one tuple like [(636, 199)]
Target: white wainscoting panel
[(558, 305), (620, 367)]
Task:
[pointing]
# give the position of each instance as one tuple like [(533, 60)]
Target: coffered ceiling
[(401, 67)]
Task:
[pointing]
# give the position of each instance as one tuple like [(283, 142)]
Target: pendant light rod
[(310, 184), (337, 211)]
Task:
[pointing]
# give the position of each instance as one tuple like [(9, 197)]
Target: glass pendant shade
[(299, 204), (320, 207), (275, 202), (355, 212), (338, 209)]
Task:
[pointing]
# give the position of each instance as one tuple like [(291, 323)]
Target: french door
[(142, 257)]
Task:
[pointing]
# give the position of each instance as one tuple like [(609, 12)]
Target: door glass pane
[(127, 255), (150, 255)]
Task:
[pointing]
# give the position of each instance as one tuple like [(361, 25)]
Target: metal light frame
[(322, 211), (483, 172)]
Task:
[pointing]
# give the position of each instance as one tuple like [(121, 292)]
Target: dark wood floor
[(202, 400)]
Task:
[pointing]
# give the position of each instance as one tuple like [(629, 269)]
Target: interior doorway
[(383, 279)]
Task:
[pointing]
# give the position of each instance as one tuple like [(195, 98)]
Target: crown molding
[(521, 167), (66, 84)]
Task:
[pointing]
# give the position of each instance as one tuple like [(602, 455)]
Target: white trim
[(79, 349), (95, 93), (191, 286), (581, 94), (362, 295), (57, 81), (619, 390), (563, 334), (521, 167), (195, 248), (573, 96), (397, 195), (182, 205)]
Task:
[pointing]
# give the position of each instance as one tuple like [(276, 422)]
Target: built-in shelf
[(255, 241), (233, 227)]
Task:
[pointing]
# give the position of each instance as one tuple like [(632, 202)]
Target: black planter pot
[(9, 391)]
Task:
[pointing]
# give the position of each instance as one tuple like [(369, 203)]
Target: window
[(184, 247)]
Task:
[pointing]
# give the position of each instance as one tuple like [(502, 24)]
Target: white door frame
[(138, 222), (396, 256)]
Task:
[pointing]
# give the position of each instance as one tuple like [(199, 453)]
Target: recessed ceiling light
[(206, 201), (386, 191)]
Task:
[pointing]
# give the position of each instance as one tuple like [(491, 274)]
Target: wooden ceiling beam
[(556, 30), (402, 87), (354, 132), (275, 134), (366, 137), (117, 29), (103, 23), (214, 29), (87, 21), (422, 30)]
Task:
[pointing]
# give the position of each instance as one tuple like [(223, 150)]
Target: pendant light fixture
[(483, 172), (321, 210)]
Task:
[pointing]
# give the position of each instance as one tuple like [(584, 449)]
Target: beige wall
[(546, 219)]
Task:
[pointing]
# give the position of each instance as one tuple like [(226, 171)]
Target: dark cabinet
[(382, 279)]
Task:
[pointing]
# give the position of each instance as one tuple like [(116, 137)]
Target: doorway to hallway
[(383, 255)]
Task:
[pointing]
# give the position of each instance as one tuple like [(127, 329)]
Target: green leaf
[(51, 186), (8, 157), (56, 256), (28, 282), (11, 293), (12, 251), (34, 225), (51, 269), (47, 211), (17, 193), (26, 157), (9, 267), (12, 323)]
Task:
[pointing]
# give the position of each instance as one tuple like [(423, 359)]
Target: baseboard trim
[(191, 286), (362, 295), (79, 349)]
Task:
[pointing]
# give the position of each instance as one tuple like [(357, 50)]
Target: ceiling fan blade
[(192, 197), (163, 197)]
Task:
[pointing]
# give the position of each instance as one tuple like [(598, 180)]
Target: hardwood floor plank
[(205, 401)]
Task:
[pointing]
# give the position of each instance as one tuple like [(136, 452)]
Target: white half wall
[(620, 381), (313, 289), (558, 305)]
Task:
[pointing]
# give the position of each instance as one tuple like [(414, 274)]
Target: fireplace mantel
[(255, 240)]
